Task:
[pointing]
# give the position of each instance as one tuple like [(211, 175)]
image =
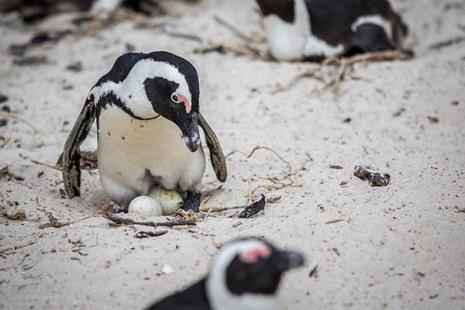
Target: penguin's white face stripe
[(217, 291), (376, 20), (131, 91)]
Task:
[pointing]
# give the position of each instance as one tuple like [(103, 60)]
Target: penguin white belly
[(286, 41), (135, 155)]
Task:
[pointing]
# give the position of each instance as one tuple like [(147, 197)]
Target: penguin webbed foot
[(192, 201)]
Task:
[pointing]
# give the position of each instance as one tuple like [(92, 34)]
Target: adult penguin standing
[(148, 117)]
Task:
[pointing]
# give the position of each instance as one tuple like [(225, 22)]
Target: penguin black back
[(332, 20)]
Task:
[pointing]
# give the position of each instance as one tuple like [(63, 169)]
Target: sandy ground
[(396, 247)]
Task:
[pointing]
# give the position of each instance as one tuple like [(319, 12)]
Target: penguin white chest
[(295, 40), (136, 155)]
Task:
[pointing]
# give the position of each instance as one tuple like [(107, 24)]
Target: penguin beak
[(190, 131), (286, 260)]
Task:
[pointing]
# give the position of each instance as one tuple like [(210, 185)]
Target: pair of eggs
[(158, 202)]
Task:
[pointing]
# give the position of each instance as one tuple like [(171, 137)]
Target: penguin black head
[(247, 272), (147, 86)]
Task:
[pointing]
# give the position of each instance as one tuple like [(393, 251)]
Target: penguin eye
[(175, 98)]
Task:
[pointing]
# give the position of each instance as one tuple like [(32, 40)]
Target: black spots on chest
[(284, 9)]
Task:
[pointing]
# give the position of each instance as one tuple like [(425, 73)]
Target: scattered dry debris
[(343, 65), (447, 43), (273, 199), (53, 222), (275, 182), (334, 221), (336, 251), (78, 246), (13, 214), (112, 216), (373, 178), (433, 119), (75, 66), (39, 39), (246, 48), (314, 272), (6, 173), (399, 112), (30, 60), (336, 167), (455, 102), (7, 114), (253, 209), (148, 234)]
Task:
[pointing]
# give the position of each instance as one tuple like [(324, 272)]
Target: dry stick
[(233, 29), (344, 64), (443, 44), (45, 164), (253, 52), (19, 119), (110, 215), (260, 147), (278, 181)]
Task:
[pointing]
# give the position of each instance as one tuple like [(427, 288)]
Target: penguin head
[(282, 8), (156, 84), (173, 92), (246, 274)]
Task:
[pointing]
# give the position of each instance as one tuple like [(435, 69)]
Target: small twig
[(260, 147), (19, 119), (447, 43), (180, 35), (343, 65), (334, 221), (45, 164), (219, 209), (233, 29), (110, 215)]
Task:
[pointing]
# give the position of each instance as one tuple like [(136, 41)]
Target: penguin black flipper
[(216, 153), (192, 298), (71, 156)]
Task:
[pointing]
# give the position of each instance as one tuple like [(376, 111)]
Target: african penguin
[(315, 29), (245, 275), (147, 112)]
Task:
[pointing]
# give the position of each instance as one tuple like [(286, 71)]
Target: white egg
[(145, 205), (169, 200)]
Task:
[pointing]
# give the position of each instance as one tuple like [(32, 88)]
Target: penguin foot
[(119, 208), (192, 202)]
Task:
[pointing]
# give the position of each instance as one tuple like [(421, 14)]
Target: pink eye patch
[(253, 255), (181, 99)]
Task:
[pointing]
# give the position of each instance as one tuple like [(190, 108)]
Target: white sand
[(400, 247)]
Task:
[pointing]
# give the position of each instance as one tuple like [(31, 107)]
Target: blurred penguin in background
[(316, 29)]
